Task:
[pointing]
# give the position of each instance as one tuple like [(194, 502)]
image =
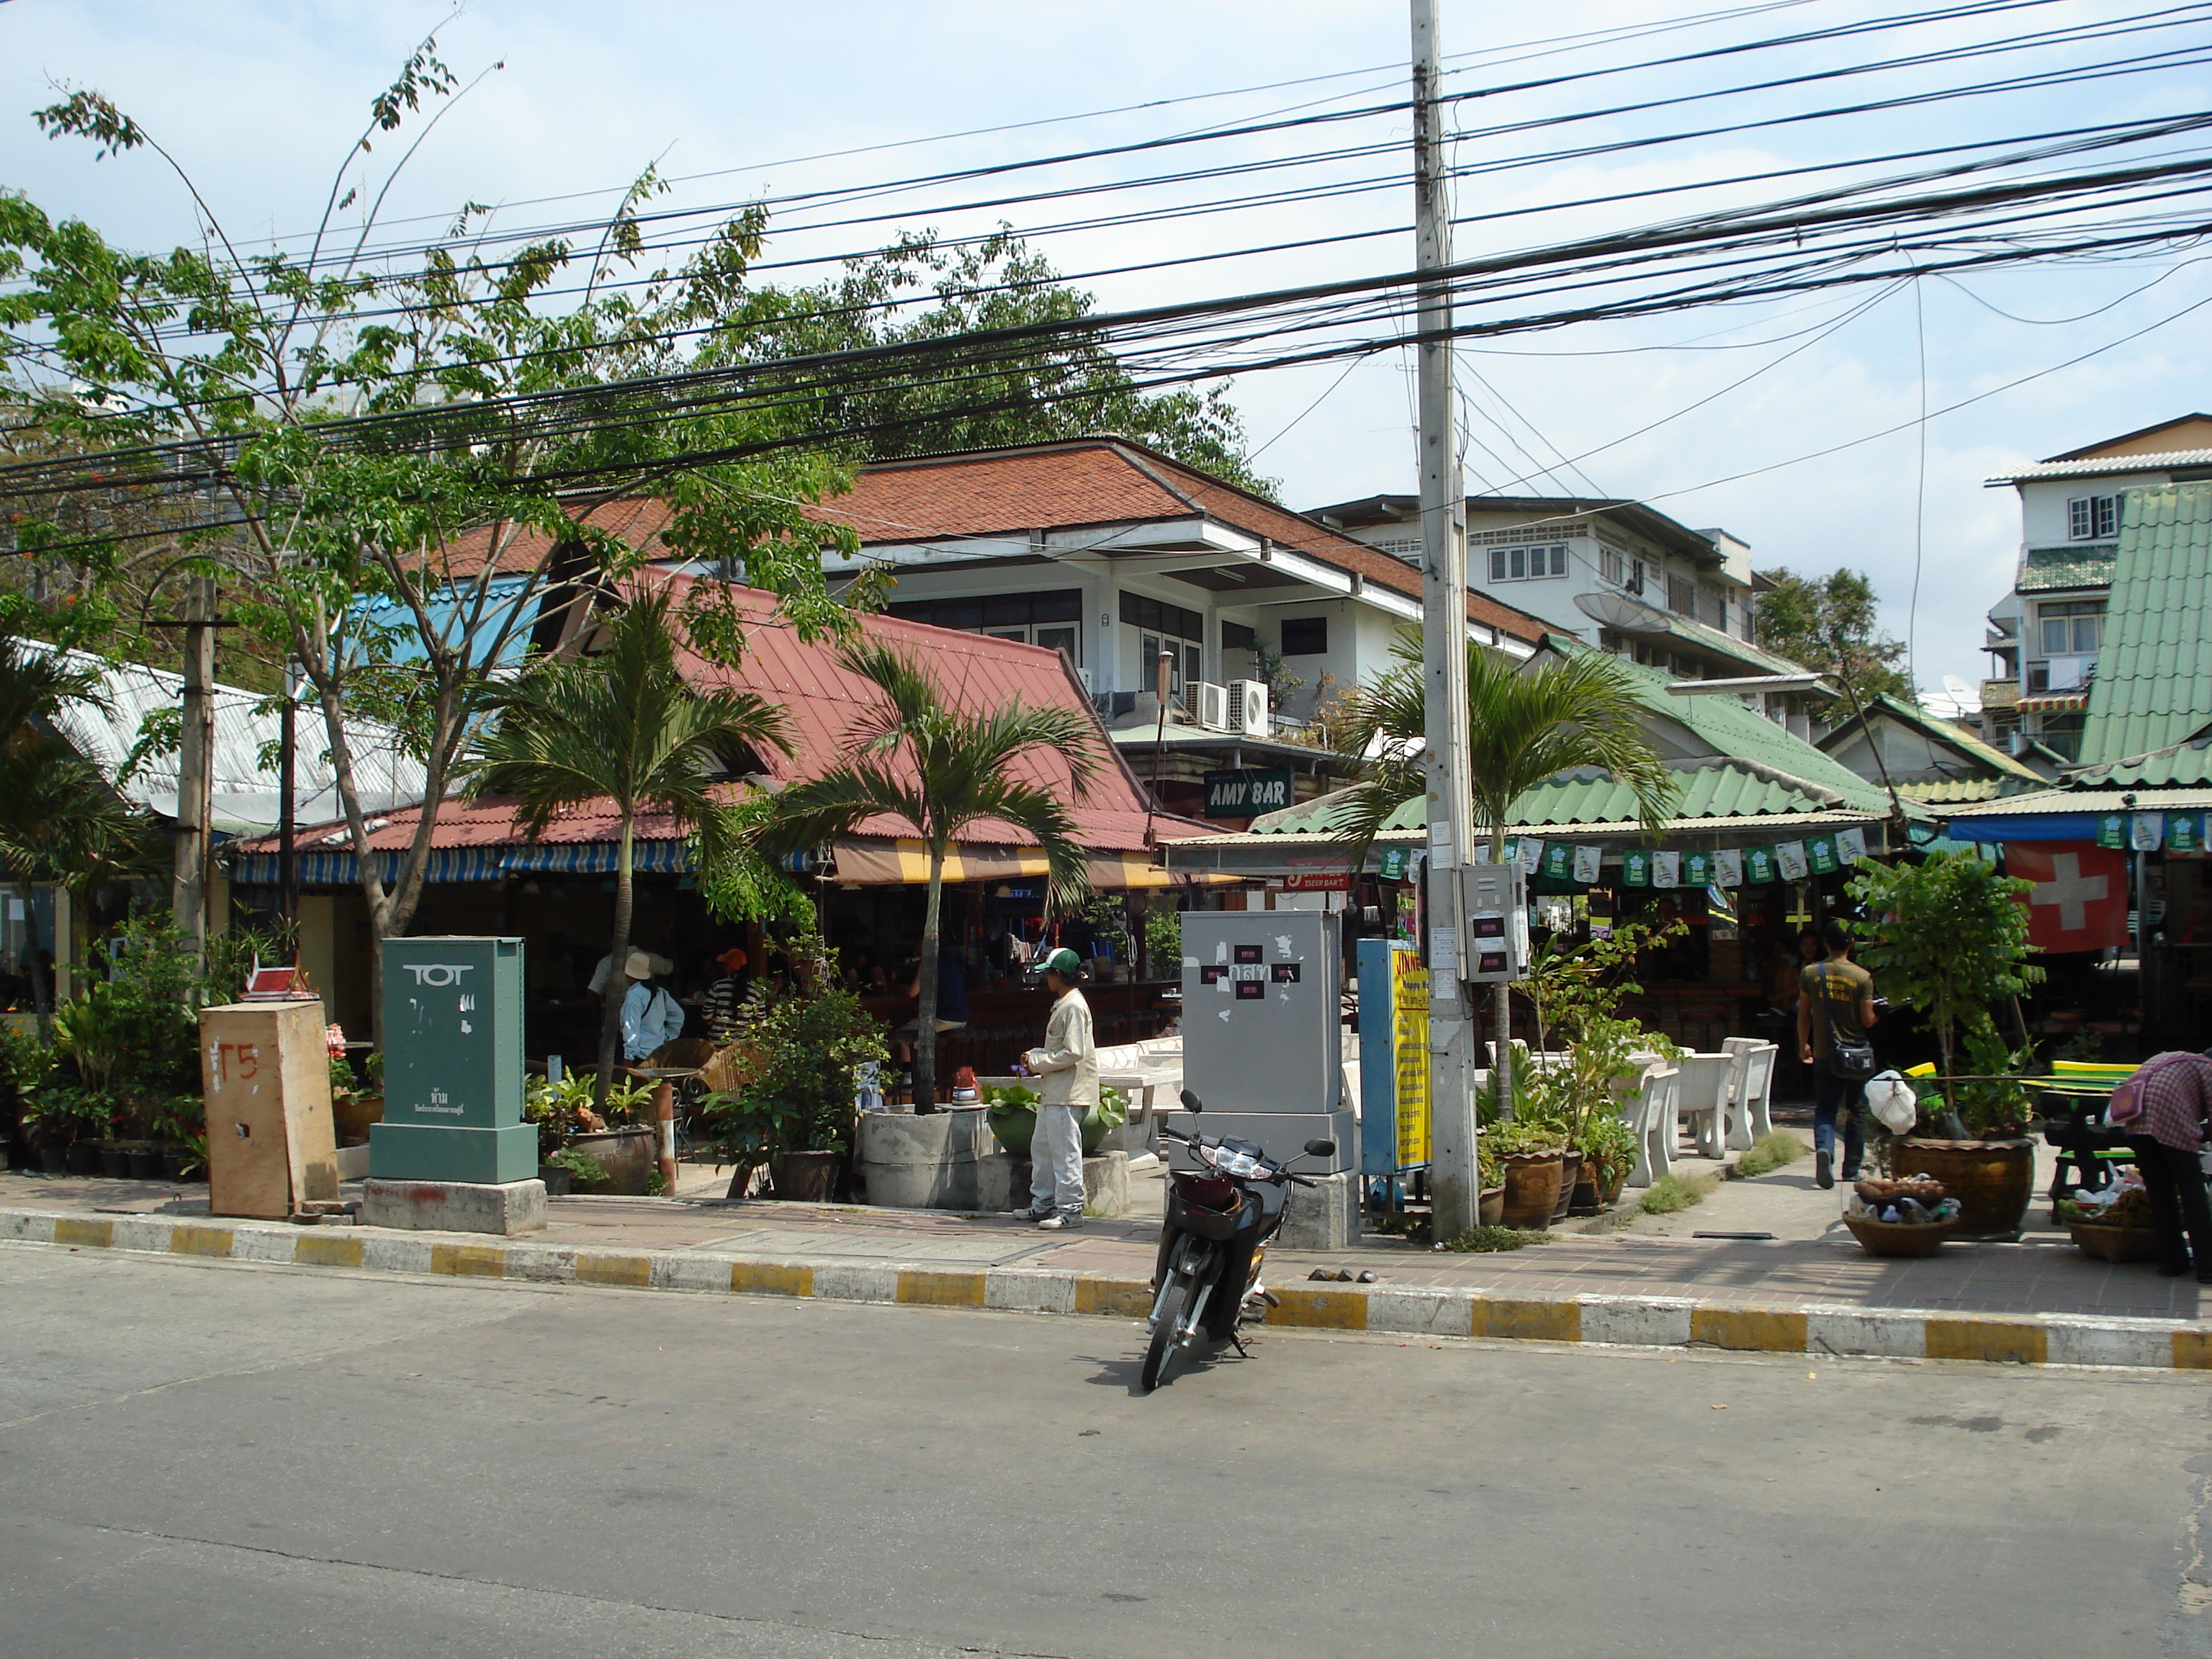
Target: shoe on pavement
[(1061, 1221), (1823, 1175), (1034, 1214)]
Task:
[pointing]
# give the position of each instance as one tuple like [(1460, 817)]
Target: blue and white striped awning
[(330, 867)]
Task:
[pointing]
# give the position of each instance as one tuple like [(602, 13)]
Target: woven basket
[(1900, 1237), (2103, 1243)]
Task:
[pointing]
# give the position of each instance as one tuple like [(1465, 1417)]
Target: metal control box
[(1495, 938), (1262, 1042), (452, 1063)]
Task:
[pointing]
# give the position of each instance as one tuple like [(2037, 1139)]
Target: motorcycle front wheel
[(1172, 1313)]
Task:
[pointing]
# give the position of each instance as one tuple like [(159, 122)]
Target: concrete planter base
[(455, 1206), (1003, 1183), (1324, 1217), (927, 1161)]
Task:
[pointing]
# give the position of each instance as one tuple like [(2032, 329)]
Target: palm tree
[(60, 820), (622, 724), (941, 770), (1525, 723)]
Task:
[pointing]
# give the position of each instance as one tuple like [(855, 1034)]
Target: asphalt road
[(201, 1459)]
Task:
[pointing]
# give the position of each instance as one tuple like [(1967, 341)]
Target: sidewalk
[(2037, 1300)]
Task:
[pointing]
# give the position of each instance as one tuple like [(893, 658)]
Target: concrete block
[(1029, 1290), (1419, 1312), (1867, 1331), (387, 1254), (1002, 1182), (543, 1263), (843, 1281), (2077, 1340), (142, 1232), (265, 1243), (677, 1270), (1324, 1217), (1639, 1321), (26, 1227), (506, 1208)]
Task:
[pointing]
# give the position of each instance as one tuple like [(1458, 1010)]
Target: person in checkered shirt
[(2168, 1141)]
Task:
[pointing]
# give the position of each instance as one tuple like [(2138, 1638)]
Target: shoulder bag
[(1852, 1057)]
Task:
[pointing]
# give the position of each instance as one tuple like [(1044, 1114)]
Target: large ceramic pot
[(807, 1177), (1570, 1170), (1532, 1189), (1992, 1180), (1492, 1212), (353, 1114), (626, 1153)]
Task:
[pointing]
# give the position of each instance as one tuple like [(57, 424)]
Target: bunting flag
[(2148, 829), (1790, 859), (1589, 861), (1727, 867), (1758, 866), (1697, 870), (2113, 831), (1636, 869), (1850, 845), (1531, 853), (2078, 896), (1666, 869), (1820, 852), (2181, 834), (1559, 861)]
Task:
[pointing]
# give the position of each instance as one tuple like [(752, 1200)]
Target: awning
[(2053, 702), (905, 863), (323, 866)]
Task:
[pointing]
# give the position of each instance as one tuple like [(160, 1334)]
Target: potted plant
[(795, 1112), (616, 1145), (1951, 943), (1530, 1152)]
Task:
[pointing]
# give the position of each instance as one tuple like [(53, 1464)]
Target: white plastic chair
[(1651, 1118), (1703, 1093), (1751, 1108)]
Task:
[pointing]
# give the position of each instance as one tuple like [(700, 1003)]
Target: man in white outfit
[(1066, 1069)]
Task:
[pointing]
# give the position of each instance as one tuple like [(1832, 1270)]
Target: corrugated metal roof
[(2182, 765), (2047, 568), (2042, 802), (2097, 466), (822, 703), (244, 792), (1936, 729), (1953, 791), (2154, 684)]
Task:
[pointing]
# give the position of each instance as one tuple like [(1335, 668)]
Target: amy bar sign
[(1246, 793)]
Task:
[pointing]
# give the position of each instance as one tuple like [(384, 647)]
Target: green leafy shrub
[(585, 1173), (807, 1050), (1526, 1134)]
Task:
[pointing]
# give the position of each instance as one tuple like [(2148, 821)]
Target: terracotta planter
[(2102, 1243), (1532, 1189), (353, 1115), (1993, 1181), (1570, 1170), (806, 1177), (1900, 1238), (1492, 1212), (626, 1153)]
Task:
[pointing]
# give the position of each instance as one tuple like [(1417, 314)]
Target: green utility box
[(453, 1064)]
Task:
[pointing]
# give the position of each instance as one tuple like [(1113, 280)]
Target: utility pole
[(196, 767), (288, 742), (1455, 1188)]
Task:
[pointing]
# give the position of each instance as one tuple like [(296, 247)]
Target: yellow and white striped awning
[(871, 862)]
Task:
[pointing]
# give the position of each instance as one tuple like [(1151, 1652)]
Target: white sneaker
[(1061, 1221)]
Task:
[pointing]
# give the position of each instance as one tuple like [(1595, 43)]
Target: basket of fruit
[(2111, 1228), (1909, 1217)]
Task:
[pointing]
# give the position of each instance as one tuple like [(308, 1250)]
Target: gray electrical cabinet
[(1262, 1042), (453, 1064)]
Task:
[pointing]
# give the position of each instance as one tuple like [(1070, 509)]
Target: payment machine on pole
[(1261, 1030)]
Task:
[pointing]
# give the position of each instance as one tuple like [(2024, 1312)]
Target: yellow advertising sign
[(1409, 1041)]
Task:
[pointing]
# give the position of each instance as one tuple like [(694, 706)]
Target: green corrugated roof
[(2048, 567), (2153, 683), (1951, 792), (1945, 732), (2185, 765)]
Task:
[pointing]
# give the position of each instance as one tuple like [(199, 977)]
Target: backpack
[(2127, 1103)]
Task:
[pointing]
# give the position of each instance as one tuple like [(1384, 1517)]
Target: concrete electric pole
[(1455, 1188), (196, 767)]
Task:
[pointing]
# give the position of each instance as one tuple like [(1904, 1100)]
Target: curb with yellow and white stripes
[(1630, 1321)]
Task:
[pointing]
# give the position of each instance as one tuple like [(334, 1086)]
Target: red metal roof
[(1072, 484), (822, 702)]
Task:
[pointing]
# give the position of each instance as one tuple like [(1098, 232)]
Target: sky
[(261, 104)]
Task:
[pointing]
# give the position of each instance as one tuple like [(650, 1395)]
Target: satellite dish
[(1965, 695)]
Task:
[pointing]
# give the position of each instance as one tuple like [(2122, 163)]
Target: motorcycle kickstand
[(1241, 1351)]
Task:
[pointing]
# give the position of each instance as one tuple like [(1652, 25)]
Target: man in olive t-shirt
[(1834, 996)]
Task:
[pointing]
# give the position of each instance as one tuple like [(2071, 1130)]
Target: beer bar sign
[(1246, 793)]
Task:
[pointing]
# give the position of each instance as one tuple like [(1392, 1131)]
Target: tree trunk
[(617, 985), (1501, 1017), (925, 1014), (39, 1004)]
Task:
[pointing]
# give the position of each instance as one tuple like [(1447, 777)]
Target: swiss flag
[(2080, 899)]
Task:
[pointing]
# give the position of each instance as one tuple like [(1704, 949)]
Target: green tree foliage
[(626, 726), (1828, 623), (972, 397), (1950, 941), (918, 757)]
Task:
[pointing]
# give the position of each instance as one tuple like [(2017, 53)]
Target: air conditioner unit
[(1248, 707), (1212, 706)]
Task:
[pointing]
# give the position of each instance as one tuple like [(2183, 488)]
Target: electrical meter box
[(1262, 1042), (1496, 899), (453, 1064)]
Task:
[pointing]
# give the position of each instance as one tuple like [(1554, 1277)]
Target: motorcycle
[(1220, 1219)]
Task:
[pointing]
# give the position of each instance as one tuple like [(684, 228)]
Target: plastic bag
[(1892, 1102)]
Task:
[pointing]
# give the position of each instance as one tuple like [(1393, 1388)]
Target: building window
[(1514, 564), (1681, 596), (2092, 518), (1635, 582), (1306, 637), (1234, 636), (997, 611), (2070, 629), (1162, 617), (1610, 567), (1712, 606)]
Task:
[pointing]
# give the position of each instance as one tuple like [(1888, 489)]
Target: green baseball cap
[(1062, 961)]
